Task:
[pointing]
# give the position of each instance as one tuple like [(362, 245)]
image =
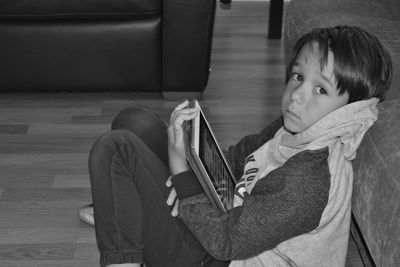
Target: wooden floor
[(45, 140)]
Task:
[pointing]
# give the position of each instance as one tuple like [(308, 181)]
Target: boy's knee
[(128, 115), (112, 156), (107, 144), (135, 119), (113, 146)]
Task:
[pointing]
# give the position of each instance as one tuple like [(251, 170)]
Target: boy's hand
[(176, 146)]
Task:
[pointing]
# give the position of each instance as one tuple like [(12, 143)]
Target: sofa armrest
[(187, 34), (376, 190)]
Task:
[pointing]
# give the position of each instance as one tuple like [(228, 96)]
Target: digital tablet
[(208, 162)]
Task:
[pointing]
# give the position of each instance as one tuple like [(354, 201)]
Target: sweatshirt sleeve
[(236, 154), (288, 202), (186, 184)]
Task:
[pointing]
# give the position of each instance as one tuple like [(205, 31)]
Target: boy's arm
[(236, 154), (287, 203)]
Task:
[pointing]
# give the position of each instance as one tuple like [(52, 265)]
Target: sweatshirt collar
[(347, 125)]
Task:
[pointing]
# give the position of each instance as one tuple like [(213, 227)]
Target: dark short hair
[(362, 66)]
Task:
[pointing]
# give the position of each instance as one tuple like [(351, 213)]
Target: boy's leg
[(146, 125), (133, 222)]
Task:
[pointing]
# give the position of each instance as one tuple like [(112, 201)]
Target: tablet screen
[(215, 166)]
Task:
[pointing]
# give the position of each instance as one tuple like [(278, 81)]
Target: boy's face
[(311, 93)]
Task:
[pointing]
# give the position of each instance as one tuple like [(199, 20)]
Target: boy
[(292, 199)]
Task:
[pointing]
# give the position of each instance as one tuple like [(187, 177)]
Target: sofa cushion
[(376, 194), (91, 56), (50, 9), (378, 17)]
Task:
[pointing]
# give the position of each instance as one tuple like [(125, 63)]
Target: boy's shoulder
[(307, 170), (309, 160), (311, 155)]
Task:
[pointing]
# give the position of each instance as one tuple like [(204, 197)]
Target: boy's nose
[(298, 95)]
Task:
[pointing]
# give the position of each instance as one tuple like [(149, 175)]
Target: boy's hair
[(362, 66)]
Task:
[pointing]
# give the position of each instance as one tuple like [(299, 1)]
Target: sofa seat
[(50, 9)]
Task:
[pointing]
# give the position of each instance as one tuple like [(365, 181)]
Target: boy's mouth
[(292, 114)]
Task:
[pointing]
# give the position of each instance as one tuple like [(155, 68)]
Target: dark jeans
[(128, 169)]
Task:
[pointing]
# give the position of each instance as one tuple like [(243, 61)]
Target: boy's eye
[(297, 77), (321, 91)]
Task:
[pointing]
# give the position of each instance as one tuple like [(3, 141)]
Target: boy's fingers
[(179, 107), (177, 114), (171, 197), (187, 110), (183, 117), (175, 211), (168, 183), (182, 105)]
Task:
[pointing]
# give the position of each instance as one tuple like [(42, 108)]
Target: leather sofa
[(376, 190), (102, 45)]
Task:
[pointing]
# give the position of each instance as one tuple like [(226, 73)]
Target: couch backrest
[(50, 9)]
